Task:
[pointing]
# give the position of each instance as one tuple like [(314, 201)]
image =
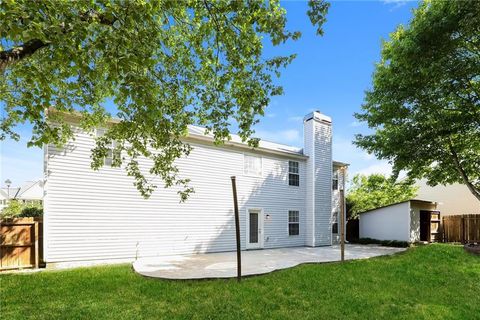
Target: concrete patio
[(224, 265)]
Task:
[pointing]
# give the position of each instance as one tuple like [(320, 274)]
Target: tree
[(376, 190), (424, 106), (165, 64)]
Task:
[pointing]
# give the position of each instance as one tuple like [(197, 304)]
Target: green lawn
[(428, 282)]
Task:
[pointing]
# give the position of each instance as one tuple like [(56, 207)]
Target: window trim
[(293, 173), (261, 165), (336, 221), (293, 223), (110, 151), (335, 177)]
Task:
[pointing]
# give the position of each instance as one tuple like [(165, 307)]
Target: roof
[(11, 192), (31, 190), (393, 204), (199, 134)]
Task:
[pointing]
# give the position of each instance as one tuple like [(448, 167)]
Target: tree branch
[(9, 57), (462, 172), (14, 55)]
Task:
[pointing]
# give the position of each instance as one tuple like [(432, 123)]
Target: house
[(411, 221), (7, 194), (287, 197), (30, 192), (453, 199)]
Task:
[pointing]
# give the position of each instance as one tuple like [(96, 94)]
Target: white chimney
[(318, 147)]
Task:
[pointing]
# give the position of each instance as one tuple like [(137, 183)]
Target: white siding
[(309, 150), (336, 203), (388, 223), (318, 146), (92, 215), (415, 208), (323, 183)]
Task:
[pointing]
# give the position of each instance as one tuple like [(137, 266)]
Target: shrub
[(16, 209), (385, 243)]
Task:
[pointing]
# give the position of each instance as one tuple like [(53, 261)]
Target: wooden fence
[(461, 228), (21, 243)]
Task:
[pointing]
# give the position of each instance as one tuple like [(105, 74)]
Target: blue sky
[(330, 74)]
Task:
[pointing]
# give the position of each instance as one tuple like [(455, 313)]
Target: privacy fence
[(21, 243), (461, 228)]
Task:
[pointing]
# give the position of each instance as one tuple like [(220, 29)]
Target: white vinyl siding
[(252, 165), (92, 215)]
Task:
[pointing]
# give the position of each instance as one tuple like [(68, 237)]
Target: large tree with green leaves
[(424, 106), (166, 64), (375, 191)]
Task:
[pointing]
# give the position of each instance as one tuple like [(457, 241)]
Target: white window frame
[(335, 177), (248, 173), (293, 222), (297, 173), (336, 214), (109, 156)]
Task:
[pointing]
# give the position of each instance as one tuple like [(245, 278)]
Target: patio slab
[(254, 262)]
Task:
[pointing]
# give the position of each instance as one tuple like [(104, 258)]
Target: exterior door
[(425, 234), (254, 229)]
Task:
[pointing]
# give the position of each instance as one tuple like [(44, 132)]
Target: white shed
[(411, 221)]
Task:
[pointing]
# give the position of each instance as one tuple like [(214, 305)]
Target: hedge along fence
[(21, 243), (461, 228)]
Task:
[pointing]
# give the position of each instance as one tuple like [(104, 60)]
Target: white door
[(254, 228)]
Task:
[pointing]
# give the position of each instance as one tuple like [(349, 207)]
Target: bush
[(385, 243), (16, 209)]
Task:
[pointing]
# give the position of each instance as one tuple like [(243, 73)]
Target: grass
[(427, 282)]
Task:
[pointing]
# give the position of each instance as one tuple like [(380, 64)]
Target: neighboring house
[(7, 194), (31, 192), (452, 199), (285, 199), (410, 221)]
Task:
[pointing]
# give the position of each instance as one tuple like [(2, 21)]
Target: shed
[(412, 221)]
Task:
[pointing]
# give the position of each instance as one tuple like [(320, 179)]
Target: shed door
[(425, 217)]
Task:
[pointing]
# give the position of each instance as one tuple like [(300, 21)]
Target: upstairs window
[(252, 165), (108, 161), (293, 174), (335, 180), (293, 223)]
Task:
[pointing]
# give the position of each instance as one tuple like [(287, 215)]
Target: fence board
[(21, 242), (461, 228)]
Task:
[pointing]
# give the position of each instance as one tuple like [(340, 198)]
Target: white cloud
[(395, 3), (271, 115), (382, 167), (355, 124), (289, 136), (295, 118)]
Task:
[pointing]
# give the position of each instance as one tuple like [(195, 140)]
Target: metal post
[(342, 216), (237, 229)]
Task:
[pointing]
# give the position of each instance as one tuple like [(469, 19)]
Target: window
[(252, 165), (293, 223), (108, 161), (335, 180), (293, 174), (335, 222)]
